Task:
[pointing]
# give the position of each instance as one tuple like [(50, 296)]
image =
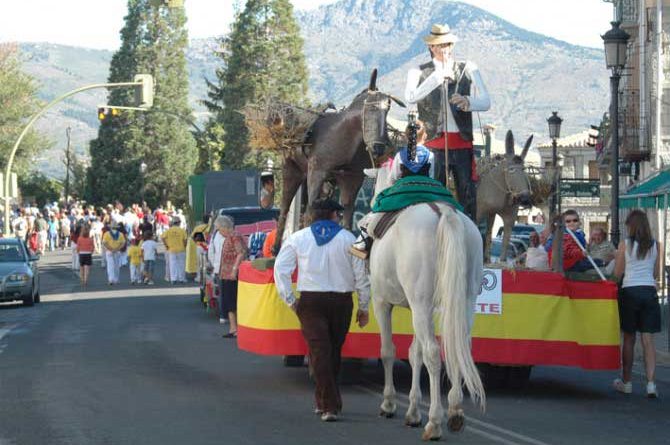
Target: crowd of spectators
[(120, 235)]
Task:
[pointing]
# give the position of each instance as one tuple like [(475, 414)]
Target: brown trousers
[(325, 318)]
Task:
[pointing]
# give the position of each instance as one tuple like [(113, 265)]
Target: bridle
[(380, 102)]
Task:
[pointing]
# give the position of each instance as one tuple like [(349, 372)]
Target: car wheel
[(29, 300), (37, 297)]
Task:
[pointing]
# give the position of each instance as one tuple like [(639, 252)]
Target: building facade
[(579, 161)]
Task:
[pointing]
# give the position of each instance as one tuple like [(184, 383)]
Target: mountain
[(528, 75)]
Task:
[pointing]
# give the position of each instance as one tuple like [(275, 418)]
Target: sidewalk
[(662, 353)]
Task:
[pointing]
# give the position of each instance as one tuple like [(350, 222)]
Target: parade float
[(523, 317)]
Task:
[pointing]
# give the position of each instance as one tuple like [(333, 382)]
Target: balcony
[(631, 147)]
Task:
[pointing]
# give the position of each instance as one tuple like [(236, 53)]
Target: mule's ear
[(509, 143), (398, 101), (371, 172), (373, 80), (526, 147)]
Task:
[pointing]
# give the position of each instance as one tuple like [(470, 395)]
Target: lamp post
[(554, 123), (143, 169), (616, 45)]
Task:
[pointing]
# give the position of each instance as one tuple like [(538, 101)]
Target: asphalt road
[(147, 365)]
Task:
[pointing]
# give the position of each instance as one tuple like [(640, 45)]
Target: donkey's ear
[(509, 143), (371, 172), (526, 147), (398, 101), (373, 80)]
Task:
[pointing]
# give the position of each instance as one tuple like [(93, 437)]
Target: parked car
[(19, 274), (514, 249), (522, 231)]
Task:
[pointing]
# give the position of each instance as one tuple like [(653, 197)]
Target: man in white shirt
[(214, 250), (466, 93), (327, 277)]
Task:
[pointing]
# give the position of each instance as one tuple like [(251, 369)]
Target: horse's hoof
[(456, 423), (412, 423), (431, 433), (386, 414)]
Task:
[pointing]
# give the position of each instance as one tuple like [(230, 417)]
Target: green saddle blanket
[(412, 190)]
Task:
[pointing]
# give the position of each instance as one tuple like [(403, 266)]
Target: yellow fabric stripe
[(542, 317), (525, 317)]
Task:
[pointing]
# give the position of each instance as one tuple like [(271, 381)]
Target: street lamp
[(616, 45), (554, 123), (143, 169)]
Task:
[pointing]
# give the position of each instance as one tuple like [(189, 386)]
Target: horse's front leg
[(349, 186), (413, 416), (383, 315)]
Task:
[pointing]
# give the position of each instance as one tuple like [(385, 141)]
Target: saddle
[(389, 218)]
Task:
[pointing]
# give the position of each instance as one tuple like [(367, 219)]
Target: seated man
[(536, 257)]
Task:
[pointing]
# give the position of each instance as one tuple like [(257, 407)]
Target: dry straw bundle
[(540, 187), (278, 126)]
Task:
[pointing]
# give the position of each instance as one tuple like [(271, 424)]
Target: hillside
[(528, 75)]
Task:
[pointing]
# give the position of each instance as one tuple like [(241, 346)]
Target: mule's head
[(375, 109), (515, 176)]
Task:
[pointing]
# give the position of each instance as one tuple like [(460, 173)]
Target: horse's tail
[(451, 298)]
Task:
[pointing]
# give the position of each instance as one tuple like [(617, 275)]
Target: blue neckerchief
[(324, 231), (115, 234)]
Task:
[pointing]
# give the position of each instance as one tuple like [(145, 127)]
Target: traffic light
[(144, 93), (107, 112)]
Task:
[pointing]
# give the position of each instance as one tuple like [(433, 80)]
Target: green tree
[(262, 60), (39, 189), (18, 101), (154, 40)]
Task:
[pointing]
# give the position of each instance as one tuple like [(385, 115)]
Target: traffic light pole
[(10, 159)]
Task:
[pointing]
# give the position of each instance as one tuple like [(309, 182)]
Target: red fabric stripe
[(456, 142), (485, 350), (531, 352), (291, 342), (553, 284), (250, 275)]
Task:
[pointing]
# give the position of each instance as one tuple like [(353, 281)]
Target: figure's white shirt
[(214, 250), (479, 97), (326, 268)]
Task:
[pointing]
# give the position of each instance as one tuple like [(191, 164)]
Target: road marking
[(405, 403), (4, 331), (123, 293)]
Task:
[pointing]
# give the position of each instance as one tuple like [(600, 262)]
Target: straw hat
[(440, 34)]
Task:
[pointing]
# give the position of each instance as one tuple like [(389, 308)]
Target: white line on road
[(4, 331), (405, 403), (123, 293)]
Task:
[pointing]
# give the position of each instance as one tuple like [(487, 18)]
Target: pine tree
[(262, 60), (154, 40)]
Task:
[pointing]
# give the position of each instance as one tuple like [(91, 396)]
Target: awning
[(649, 193)]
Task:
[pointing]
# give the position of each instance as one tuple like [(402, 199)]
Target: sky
[(96, 23)]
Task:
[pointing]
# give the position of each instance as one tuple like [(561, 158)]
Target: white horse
[(429, 263)]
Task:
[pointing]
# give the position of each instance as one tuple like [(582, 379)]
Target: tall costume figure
[(465, 93)]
